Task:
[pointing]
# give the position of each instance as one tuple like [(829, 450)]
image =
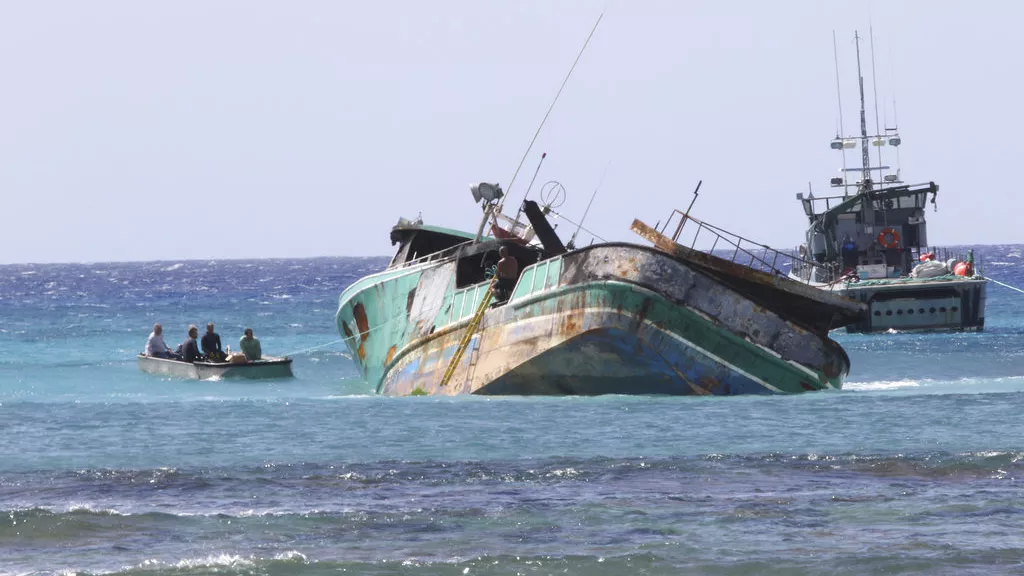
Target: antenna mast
[(895, 116), (865, 156), (550, 108), (839, 97), (572, 241), (874, 86)]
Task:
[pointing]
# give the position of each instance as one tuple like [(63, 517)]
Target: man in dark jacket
[(211, 345), (189, 350)]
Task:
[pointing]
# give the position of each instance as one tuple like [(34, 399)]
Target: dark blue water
[(915, 467)]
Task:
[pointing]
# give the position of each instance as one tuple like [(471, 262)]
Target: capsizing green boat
[(609, 318)]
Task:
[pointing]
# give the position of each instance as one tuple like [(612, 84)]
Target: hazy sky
[(179, 130)]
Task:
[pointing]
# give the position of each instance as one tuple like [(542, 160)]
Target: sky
[(250, 129)]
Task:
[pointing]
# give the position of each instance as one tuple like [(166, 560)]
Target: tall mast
[(865, 157), (841, 133), (874, 87)]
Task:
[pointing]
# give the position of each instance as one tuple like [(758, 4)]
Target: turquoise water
[(915, 467)]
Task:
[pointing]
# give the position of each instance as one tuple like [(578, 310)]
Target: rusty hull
[(621, 318), (806, 305)]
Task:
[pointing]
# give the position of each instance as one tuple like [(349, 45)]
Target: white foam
[(74, 507), (291, 555), (965, 385), (564, 473), (882, 385), (230, 560), (173, 268)]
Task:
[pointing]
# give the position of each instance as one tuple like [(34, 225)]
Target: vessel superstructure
[(869, 242)]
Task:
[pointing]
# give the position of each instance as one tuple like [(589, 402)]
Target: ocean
[(915, 467)]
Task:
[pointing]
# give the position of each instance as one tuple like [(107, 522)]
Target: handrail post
[(682, 220)]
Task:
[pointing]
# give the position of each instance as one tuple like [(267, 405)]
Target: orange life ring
[(889, 238)]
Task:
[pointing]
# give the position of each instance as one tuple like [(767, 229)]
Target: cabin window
[(475, 268), (402, 255), (480, 265), (422, 243)]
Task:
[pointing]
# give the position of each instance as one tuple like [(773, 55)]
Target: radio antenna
[(572, 241), (874, 86), (528, 188), (550, 108), (865, 157), (895, 116), (839, 97)]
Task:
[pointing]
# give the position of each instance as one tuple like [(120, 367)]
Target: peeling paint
[(359, 312), (612, 318)]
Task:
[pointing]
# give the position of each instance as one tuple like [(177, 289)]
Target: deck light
[(486, 191)]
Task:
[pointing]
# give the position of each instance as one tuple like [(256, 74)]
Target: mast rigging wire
[(550, 108)]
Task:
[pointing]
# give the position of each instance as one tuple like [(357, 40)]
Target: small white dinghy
[(267, 367)]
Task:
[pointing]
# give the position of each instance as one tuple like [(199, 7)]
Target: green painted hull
[(622, 319)]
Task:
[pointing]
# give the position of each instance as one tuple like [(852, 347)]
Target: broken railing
[(687, 231)]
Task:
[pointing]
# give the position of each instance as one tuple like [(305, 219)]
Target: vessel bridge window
[(418, 244)]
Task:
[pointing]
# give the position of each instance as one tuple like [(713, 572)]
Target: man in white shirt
[(155, 345)]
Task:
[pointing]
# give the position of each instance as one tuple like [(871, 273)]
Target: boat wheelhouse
[(869, 242)]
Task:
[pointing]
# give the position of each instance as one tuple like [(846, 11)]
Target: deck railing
[(687, 231), (446, 254)]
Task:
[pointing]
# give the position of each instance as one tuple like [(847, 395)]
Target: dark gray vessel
[(870, 244)]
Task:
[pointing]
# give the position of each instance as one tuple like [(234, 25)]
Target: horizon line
[(239, 259)]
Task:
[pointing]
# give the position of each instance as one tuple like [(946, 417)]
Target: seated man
[(250, 346), (508, 271), (189, 348), (211, 345), (155, 345)]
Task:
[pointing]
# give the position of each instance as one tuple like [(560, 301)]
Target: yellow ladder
[(467, 337)]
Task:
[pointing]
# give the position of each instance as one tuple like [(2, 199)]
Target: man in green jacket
[(250, 346)]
